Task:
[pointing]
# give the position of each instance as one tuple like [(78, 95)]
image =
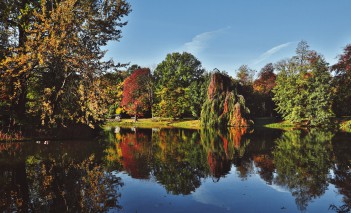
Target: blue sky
[(225, 34)]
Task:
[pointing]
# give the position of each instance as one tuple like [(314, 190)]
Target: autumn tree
[(173, 77), (15, 19), (245, 74), (58, 67), (342, 83), (112, 86), (262, 87), (136, 96), (302, 93)]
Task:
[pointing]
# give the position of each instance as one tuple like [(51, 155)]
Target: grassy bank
[(155, 123), (266, 122), (273, 123)]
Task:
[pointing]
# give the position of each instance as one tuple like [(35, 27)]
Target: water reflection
[(299, 161), (342, 170), (62, 177), (212, 168), (302, 161), (179, 159)]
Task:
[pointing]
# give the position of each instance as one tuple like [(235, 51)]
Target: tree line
[(52, 73), (302, 89)]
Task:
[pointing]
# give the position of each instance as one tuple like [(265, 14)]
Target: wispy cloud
[(271, 52), (200, 41)]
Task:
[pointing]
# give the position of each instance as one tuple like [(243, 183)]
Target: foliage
[(176, 158), (224, 106), (245, 75), (262, 86), (112, 86), (53, 73), (346, 125), (342, 83), (136, 100), (197, 94), (302, 93), (173, 79)]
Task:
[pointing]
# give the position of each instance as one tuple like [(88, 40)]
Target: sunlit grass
[(155, 123)]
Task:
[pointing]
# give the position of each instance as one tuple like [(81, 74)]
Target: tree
[(266, 79), (245, 75), (59, 65), (136, 99), (302, 93), (173, 77), (262, 87), (224, 106), (197, 94), (342, 83)]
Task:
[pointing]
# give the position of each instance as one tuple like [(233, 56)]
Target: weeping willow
[(224, 106)]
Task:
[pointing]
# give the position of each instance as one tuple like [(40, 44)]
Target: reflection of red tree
[(215, 164), (134, 159)]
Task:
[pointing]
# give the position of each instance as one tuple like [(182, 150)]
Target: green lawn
[(156, 123), (266, 122)]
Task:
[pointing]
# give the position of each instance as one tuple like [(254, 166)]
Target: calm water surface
[(177, 170)]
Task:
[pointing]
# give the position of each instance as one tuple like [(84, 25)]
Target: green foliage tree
[(302, 93), (173, 78), (197, 94)]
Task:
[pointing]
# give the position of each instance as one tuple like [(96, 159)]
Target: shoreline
[(344, 123)]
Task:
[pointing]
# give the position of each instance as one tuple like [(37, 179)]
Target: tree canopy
[(136, 100), (302, 92), (173, 77), (52, 69)]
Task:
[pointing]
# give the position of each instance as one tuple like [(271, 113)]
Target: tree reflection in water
[(177, 158), (302, 163), (342, 170), (56, 179)]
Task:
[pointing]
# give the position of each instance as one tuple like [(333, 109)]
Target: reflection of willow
[(222, 148), (342, 170), (179, 162), (302, 162), (71, 186)]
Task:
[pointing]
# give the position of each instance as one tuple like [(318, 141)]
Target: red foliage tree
[(136, 99), (266, 80)]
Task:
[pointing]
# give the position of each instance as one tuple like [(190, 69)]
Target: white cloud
[(271, 52), (200, 41)]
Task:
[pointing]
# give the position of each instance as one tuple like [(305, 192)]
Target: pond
[(179, 170)]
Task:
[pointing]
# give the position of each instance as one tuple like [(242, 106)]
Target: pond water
[(178, 170)]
